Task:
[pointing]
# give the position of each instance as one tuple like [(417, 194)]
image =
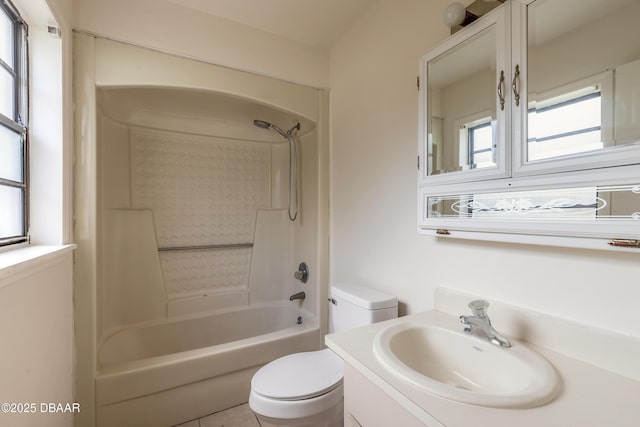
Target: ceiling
[(318, 23)]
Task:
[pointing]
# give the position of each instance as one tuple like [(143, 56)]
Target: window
[(481, 145), (476, 136), (566, 125), (13, 127)]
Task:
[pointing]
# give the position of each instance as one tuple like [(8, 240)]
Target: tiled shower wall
[(202, 191)]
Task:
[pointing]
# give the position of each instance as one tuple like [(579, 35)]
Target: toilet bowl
[(305, 389)]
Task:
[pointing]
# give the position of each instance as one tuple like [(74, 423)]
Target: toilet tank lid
[(363, 296)]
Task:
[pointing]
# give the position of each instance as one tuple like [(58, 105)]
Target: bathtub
[(168, 373)]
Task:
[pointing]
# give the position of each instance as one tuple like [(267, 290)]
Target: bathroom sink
[(441, 359)]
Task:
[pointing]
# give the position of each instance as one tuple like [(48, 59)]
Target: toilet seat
[(304, 409), (299, 376)]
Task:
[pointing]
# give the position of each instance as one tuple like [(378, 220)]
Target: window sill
[(21, 262)]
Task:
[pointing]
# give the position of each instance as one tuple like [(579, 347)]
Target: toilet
[(305, 389)]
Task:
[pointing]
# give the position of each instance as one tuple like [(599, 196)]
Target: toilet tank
[(352, 306)]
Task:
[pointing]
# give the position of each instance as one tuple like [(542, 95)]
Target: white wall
[(63, 12), (171, 28), (36, 325), (374, 134), (373, 194)]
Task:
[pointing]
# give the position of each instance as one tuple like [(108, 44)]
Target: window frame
[(19, 122)]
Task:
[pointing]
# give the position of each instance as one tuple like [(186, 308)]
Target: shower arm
[(295, 127)]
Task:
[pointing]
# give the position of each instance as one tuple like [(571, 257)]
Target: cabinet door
[(579, 85), (464, 105)]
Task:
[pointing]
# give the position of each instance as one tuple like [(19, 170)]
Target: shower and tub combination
[(192, 227)]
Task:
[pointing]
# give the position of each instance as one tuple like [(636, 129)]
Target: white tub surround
[(590, 395), (186, 255)]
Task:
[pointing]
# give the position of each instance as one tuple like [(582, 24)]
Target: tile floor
[(239, 416)]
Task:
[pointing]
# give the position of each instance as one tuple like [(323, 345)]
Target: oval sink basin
[(455, 365)]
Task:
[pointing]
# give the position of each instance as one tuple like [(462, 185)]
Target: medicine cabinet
[(530, 124)]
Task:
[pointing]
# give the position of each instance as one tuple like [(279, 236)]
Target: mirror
[(461, 88), (583, 76)]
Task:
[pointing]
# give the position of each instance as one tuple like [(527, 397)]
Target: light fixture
[(457, 16)]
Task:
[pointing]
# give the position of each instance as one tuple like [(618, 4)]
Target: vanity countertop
[(589, 395)]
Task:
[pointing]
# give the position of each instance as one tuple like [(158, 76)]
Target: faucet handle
[(303, 273), (479, 307)]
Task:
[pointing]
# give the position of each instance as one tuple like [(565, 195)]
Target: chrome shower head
[(266, 125), (262, 124)]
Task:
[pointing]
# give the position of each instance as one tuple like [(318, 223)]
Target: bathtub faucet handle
[(299, 295), (303, 273)]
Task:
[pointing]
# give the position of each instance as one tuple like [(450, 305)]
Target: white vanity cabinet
[(366, 405), (529, 125)]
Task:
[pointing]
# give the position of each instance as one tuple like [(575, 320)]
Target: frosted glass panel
[(621, 202), (6, 39), (10, 155), (7, 94), (11, 214)]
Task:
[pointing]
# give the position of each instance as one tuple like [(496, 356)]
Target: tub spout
[(299, 295)]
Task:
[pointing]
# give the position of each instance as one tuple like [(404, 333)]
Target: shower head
[(262, 124), (266, 125)]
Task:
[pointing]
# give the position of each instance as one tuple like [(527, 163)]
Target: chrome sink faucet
[(481, 321)]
